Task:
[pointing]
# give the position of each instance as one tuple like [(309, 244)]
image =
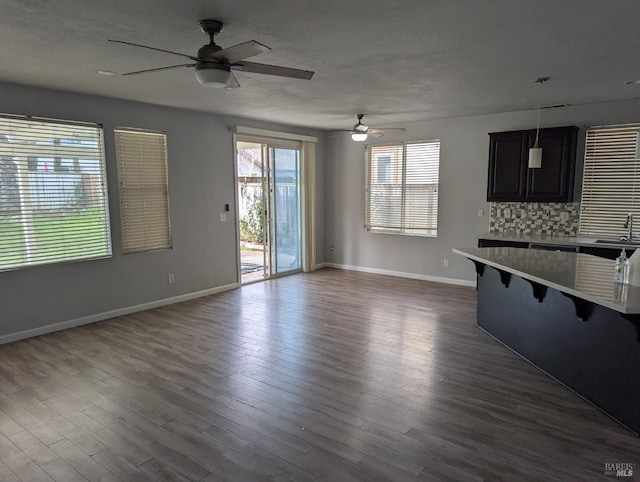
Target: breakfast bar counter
[(581, 275), (562, 312)]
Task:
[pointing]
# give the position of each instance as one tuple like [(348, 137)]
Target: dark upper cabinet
[(510, 179), (507, 173)]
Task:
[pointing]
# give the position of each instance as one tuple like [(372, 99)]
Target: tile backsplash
[(560, 219)]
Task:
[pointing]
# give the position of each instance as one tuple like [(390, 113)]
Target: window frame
[(407, 224), (54, 200), (610, 181)]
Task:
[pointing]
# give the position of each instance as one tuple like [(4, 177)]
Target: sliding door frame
[(273, 139)]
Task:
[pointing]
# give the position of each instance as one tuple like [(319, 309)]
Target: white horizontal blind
[(610, 183), (53, 201), (402, 188), (144, 190)]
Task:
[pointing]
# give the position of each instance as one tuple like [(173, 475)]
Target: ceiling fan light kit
[(214, 65), (360, 132), (212, 75)]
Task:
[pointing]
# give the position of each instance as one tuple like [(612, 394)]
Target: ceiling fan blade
[(154, 48), (354, 131), (386, 129), (241, 51), (158, 69), (232, 83), (272, 70), (351, 131)]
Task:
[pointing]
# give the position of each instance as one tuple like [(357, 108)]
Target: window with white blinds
[(402, 188), (144, 190), (53, 196), (611, 181)]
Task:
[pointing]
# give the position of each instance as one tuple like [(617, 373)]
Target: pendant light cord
[(539, 81)]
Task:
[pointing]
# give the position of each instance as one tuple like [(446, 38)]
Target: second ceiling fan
[(214, 65), (360, 132)]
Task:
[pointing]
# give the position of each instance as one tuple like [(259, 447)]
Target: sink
[(617, 241)]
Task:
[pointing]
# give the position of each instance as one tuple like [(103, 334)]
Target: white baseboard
[(63, 325), (402, 274)]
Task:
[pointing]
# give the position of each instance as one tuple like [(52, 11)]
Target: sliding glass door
[(285, 209), (269, 208)]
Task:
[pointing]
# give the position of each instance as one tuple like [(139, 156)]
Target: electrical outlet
[(480, 212), (446, 263), (170, 278), (332, 249), (223, 218)]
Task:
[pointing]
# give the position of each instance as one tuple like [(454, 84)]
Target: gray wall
[(201, 181), (463, 183)]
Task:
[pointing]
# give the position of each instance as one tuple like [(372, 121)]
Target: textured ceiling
[(395, 60)]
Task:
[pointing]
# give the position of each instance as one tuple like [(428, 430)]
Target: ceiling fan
[(214, 65), (360, 132)]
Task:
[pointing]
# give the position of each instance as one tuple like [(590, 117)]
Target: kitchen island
[(562, 312)]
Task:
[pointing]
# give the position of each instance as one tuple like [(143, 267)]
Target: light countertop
[(560, 240), (581, 275)]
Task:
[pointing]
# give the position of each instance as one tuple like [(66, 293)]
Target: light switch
[(480, 212), (223, 218)]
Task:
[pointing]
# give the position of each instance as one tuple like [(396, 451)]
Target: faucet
[(629, 225)]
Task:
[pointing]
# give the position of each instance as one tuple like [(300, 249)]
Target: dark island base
[(596, 354)]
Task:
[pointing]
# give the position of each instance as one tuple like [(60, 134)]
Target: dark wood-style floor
[(334, 375)]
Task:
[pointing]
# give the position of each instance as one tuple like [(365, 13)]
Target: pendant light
[(535, 153)]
